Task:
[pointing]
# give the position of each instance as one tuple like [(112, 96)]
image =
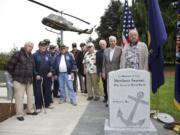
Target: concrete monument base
[(129, 131)]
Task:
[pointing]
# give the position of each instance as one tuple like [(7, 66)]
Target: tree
[(140, 8), (169, 15), (3, 60), (111, 21), (4, 57), (90, 39)]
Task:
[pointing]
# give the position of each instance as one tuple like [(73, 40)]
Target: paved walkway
[(58, 121), (85, 119)]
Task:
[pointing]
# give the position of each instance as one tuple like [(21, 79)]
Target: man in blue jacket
[(64, 66), (55, 83), (42, 75)]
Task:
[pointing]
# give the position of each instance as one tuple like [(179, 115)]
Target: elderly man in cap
[(64, 66), (55, 83), (90, 70), (43, 76), (20, 66)]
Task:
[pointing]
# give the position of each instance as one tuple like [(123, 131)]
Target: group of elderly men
[(35, 73)]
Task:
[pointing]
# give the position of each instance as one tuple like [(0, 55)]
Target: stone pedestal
[(129, 131)]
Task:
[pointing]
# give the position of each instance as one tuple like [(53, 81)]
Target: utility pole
[(61, 33), (61, 37)]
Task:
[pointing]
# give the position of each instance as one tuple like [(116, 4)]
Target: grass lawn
[(166, 96)]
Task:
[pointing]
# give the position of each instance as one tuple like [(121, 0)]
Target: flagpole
[(155, 110), (156, 62), (155, 115)]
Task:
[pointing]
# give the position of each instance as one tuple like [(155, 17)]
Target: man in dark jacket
[(99, 63), (64, 66), (20, 66), (75, 53), (80, 66), (43, 76), (55, 83)]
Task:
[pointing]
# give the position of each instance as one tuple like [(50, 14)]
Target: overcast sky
[(21, 20)]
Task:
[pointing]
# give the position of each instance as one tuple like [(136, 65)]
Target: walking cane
[(52, 88), (42, 94), (10, 106)]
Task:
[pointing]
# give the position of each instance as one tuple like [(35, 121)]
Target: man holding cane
[(42, 78)]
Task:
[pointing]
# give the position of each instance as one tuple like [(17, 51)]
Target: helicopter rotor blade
[(36, 2), (61, 12)]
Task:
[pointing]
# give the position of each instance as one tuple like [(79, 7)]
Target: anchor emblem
[(128, 121)]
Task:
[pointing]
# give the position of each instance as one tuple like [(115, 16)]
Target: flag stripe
[(128, 23)]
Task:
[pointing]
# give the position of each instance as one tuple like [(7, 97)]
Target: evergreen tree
[(140, 12), (111, 21)]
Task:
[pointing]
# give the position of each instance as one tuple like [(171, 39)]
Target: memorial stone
[(129, 103)]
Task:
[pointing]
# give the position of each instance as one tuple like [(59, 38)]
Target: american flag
[(128, 23)]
